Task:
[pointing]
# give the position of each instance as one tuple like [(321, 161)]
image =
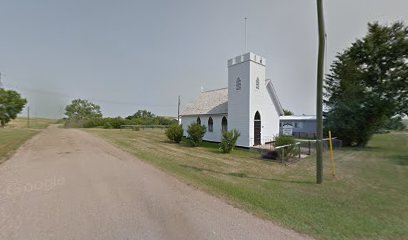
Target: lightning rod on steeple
[(246, 49)]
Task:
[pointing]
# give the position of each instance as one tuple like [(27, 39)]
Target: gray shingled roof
[(216, 102), (209, 102)]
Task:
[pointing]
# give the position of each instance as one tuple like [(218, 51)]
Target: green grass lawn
[(16, 133), (368, 199)]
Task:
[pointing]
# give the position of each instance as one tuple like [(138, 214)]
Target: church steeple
[(246, 88)]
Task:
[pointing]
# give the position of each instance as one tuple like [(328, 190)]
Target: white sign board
[(287, 129)]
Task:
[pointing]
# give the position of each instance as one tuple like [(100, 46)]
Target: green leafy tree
[(175, 133), (80, 109), (141, 114), (144, 117), (394, 123), (11, 104), (287, 112), (196, 133), (368, 84), (229, 139)]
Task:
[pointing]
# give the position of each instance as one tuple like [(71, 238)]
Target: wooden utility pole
[(178, 111), (28, 117), (319, 98)]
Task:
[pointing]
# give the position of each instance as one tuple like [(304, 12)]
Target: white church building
[(249, 104)]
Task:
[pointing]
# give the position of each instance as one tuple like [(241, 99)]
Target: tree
[(196, 133), (394, 123), (368, 84), (11, 104), (80, 109), (287, 112), (144, 117), (141, 114)]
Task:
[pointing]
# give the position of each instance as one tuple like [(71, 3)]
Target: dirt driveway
[(68, 184)]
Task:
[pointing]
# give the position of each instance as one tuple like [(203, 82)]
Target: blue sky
[(130, 55)]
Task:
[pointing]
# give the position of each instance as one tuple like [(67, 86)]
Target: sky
[(129, 55)]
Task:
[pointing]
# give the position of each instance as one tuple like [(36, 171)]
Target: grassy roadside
[(16, 134), (367, 200), (35, 123)]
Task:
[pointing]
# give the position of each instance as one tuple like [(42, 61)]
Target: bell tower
[(246, 93)]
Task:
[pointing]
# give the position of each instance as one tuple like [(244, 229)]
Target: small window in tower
[(238, 84), (257, 83)]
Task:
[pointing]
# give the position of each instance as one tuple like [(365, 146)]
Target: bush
[(196, 133), (229, 139), (117, 122), (94, 122), (290, 151), (175, 133), (106, 122), (71, 123), (107, 125)]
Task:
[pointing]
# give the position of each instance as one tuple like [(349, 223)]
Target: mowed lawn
[(16, 133), (368, 199)]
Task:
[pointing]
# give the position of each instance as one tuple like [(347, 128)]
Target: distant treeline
[(118, 121), (141, 117)]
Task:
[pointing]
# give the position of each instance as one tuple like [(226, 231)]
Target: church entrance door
[(257, 129)]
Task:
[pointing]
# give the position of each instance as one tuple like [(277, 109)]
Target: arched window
[(224, 124), (257, 83), (238, 84), (198, 120), (210, 124)]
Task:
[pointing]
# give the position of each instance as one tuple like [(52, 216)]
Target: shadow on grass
[(214, 148), (366, 149), (243, 175), (400, 160)]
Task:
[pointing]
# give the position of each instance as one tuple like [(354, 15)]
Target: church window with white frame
[(257, 83)]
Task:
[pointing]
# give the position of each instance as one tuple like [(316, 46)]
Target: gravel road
[(68, 184)]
